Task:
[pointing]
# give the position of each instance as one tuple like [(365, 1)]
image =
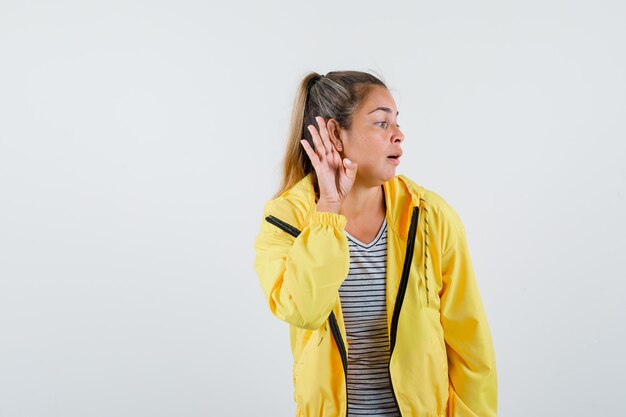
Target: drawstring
[(425, 250)]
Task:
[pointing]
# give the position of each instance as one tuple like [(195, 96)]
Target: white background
[(140, 140)]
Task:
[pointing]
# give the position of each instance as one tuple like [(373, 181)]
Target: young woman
[(371, 270)]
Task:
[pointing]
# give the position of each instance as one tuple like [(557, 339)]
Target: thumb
[(351, 168)]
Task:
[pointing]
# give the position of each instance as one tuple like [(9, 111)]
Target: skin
[(355, 190)]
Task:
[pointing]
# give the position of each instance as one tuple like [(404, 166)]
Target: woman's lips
[(395, 161)]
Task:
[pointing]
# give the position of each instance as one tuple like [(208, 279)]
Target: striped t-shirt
[(364, 310)]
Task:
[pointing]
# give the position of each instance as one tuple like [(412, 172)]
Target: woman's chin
[(391, 172), (373, 179)]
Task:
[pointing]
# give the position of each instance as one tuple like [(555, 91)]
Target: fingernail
[(348, 161)]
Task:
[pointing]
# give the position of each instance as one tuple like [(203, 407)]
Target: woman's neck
[(363, 202)]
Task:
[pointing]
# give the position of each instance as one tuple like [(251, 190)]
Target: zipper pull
[(323, 333)]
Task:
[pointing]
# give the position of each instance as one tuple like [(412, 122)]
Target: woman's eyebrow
[(385, 109)]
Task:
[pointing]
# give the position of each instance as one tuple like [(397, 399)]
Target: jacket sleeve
[(301, 276), (471, 356)]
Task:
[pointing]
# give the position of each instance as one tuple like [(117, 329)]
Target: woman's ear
[(334, 134)]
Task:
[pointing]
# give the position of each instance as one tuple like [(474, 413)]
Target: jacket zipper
[(283, 225), (399, 299), (334, 327), (404, 280)]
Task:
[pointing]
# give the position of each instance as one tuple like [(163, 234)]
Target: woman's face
[(373, 137)]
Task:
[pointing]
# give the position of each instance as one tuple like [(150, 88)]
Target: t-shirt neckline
[(373, 242)]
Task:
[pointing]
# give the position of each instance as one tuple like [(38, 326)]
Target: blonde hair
[(334, 95)]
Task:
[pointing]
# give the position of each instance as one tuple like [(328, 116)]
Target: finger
[(335, 155), (310, 152), (317, 141), (351, 168), (324, 134)]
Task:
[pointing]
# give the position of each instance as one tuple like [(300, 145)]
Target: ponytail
[(296, 163)]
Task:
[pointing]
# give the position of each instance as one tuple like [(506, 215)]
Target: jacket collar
[(401, 195)]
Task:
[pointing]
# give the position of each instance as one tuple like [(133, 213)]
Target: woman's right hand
[(334, 175)]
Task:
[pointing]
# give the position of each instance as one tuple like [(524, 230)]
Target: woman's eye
[(382, 123)]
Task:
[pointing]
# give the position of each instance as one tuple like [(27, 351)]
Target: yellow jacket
[(442, 359)]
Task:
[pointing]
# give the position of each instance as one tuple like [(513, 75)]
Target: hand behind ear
[(335, 174)]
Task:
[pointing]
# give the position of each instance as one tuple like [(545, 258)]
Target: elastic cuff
[(328, 218)]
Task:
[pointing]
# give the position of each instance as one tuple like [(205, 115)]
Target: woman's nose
[(398, 135)]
